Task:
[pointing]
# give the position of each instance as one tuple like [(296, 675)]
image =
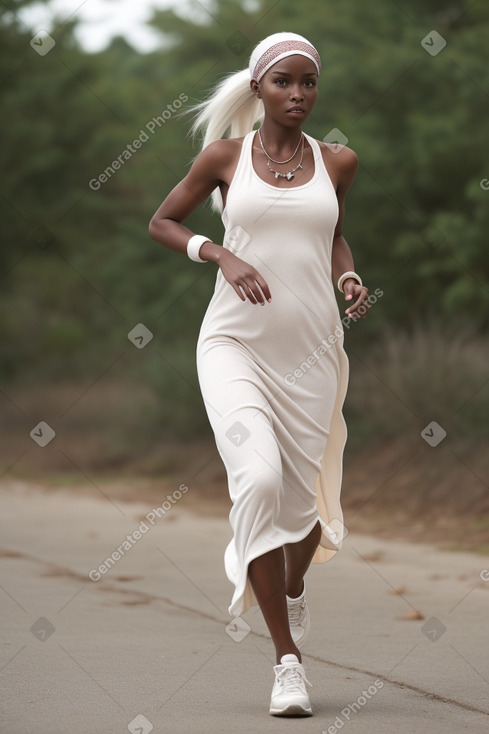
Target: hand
[(352, 289), (244, 278)]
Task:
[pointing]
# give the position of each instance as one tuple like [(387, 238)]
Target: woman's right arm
[(166, 228)]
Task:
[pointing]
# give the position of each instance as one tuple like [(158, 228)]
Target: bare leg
[(298, 557), (267, 577)]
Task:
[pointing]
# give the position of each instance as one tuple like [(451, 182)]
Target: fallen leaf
[(399, 590), (413, 614)]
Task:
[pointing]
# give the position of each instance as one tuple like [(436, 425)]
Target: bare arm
[(166, 226), (342, 258)]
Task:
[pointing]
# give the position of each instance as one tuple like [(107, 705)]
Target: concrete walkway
[(398, 642)]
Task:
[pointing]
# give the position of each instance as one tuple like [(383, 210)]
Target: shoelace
[(291, 679), (295, 611)]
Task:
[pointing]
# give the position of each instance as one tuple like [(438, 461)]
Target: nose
[(296, 93)]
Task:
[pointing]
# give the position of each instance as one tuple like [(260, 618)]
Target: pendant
[(288, 175)]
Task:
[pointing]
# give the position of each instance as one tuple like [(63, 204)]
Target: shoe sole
[(293, 709)]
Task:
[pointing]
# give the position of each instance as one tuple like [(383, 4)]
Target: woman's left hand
[(353, 290)]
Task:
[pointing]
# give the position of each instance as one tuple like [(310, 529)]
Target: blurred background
[(406, 84)]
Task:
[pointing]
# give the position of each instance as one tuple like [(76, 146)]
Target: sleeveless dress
[(274, 378)]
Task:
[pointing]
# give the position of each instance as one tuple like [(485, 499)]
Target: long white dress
[(274, 377)]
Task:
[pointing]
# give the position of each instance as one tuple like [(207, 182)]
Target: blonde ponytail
[(232, 105)]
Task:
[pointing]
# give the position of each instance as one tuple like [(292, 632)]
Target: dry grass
[(408, 380)]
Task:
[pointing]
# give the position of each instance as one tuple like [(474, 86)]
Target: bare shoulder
[(216, 161), (345, 157), (341, 160), (222, 151)]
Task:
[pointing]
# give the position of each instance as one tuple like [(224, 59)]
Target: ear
[(255, 88)]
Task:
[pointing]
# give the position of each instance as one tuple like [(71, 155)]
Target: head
[(284, 70), (243, 98)]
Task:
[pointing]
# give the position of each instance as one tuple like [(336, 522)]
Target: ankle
[(288, 650), (293, 591)]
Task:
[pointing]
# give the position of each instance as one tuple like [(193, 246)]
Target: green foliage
[(79, 270)]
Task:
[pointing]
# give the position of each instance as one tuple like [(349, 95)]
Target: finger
[(362, 297), (250, 293), (254, 298), (253, 293), (353, 306), (350, 291), (264, 286), (359, 308), (254, 287), (240, 291)]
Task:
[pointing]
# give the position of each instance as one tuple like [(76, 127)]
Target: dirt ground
[(381, 494), (402, 488)]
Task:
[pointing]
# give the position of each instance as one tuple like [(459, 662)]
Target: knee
[(262, 488)]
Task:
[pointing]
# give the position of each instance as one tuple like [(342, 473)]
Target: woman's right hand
[(244, 278)]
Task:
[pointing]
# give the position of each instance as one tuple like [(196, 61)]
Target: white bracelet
[(348, 274), (193, 246)]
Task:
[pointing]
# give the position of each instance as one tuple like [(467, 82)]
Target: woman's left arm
[(341, 258)]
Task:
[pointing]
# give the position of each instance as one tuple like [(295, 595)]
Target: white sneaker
[(299, 619), (289, 696)]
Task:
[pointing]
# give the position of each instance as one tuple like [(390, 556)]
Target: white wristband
[(348, 274), (193, 246)]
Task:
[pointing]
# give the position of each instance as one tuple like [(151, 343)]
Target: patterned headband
[(278, 46)]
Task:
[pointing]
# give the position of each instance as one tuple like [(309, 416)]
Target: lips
[(296, 109)]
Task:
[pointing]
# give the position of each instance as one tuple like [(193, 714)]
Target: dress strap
[(319, 160), (244, 161), (315, 147)]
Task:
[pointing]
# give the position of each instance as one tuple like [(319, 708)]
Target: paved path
[(145, 648)]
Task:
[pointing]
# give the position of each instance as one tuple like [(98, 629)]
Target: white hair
[(231, 106)]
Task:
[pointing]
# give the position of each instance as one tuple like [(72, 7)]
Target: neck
[(280, 141)]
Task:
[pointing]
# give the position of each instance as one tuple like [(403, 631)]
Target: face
[(289, 83)]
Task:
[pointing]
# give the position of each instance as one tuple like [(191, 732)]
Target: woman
[(273, 378)]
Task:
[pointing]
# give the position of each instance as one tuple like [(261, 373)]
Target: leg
[(298, 557), (267, 576)]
